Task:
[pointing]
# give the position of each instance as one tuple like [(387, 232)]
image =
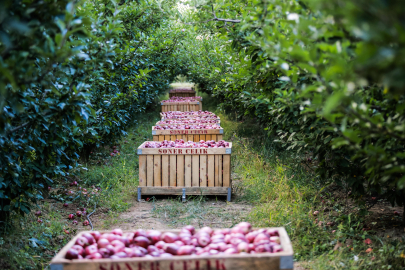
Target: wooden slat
[(178, 137), (189, 190), (211, 170), (203, 171), (167, 137), (220, 171), (217, 171), (195, 171), (202, 137), (196, 138), (227, 170), (173, 167), (219, 137), (149, 170), (142, 170), (161, 138), (157, 172), (208, 137), (190, 137), (155, 138), (187, 170), (165, 170), (180, 170)]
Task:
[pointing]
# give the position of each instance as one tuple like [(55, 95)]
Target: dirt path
[(169, 213)]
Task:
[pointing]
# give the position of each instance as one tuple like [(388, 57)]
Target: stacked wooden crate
[(182, 104), (182, 92), (184, 171)]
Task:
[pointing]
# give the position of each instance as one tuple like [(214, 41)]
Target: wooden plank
[(142, 170), (173, 167), (190, 138), (202, 137), (227, 170), (149, 170), (220, 137), (217, 171), (161, 138), (178, 137), (195, 171), (157, 172), (167, 137), (187, 171), (172, 137), (208, 137), (258, 261), (203, 171), (220, 171), (189, 190), (185, 151), (165, 171), (211, 170), (180, 170), (155, 138)]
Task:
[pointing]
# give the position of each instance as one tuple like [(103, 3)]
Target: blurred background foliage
[(325, 78), (72, 76)]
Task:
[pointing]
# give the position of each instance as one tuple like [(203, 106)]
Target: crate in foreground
[(194, 135), (181, 106), (259, 261), (184, 171)]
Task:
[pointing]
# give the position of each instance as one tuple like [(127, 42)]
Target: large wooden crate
[(259, 261), (182, 93), (194, 135), (184, 171), (181, 106)]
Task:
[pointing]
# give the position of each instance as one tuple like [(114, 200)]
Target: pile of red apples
[(207, 126), (181, 144), (240, 239), (182, 99), (188, 121)]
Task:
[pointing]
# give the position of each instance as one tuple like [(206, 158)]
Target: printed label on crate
[(183, 151), (179, 132), (218, 264)]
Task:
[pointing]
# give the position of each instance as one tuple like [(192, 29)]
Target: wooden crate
[(259, 261), (184, 171), (181, 106), (190, 93), (194, 135)]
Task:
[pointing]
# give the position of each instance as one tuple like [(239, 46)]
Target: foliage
[(322, 77), (73, 75)]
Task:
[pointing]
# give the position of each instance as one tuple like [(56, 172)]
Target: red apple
[(203, 240), (102, 243), (169, 237), (79, 213), (71, 216), (172, 248), (89, 238), (231, 251), (96, 235), (82, 241), (141, 241), (186, 250), (189, 228), (117, 232), (72, 254), (89, 250), (153, 235), (79, 249)]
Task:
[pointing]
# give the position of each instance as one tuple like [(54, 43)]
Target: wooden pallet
[(259, 261), (194, 135), (186, 171), (181, 106)]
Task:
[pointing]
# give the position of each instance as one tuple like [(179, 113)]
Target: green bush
[(72, 77), (322, 77)]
